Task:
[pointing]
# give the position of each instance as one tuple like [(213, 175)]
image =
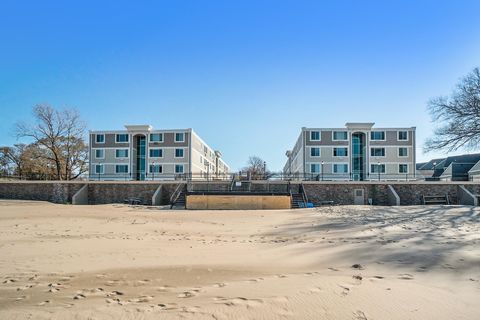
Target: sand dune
[(350, 262)]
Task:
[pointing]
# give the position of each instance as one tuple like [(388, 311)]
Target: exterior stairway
[(178, 199), (298, 201)]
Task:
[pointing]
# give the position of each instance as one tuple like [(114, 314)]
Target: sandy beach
[(340, 262)]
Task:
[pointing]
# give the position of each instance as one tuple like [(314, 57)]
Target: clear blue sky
[(246, 75)]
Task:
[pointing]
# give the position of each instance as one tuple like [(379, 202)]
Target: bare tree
[(58, 134), (257, 168), (459, 116), (12, 158)]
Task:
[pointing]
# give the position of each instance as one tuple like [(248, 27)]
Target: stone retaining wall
[(344, 193), (57, 192), (339, 192)]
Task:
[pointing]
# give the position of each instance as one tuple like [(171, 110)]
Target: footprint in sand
[(79, 296), (187, 294), (238, 301), (219, 285), (315, 290), (333, 269), (359, 315), (281, 276), (142, 299), (345, 290), (44, 303), (114, 293), (10, 281), (164, 288), (357, 266), (405, 276)]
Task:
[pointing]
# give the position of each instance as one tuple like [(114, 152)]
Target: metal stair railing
[(176, 194)]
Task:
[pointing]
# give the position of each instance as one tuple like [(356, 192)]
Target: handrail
[(304, 195), (176, 194)]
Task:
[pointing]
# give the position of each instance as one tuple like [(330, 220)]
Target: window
[(121, 168), (315, 135), (403, 168), (179, 137), (100, 138), (340, 152), (377, 135), (377, 168), (156, 153), (377, 152), (98, 168), (179, 168), (156, 168), (315, 152), (99, 154), (402, 152), (156, 137), (178, 153), (340, 168), (314, 168), (121, 137), (340, 135), (402, 135), (121, 153)]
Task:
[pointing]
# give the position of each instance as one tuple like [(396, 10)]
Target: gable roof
[(429, 165)]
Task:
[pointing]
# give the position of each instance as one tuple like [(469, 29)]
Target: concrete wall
[(57, 192), (101, 193), (244, 202), (410, 193), (343, 193), (465, 197)]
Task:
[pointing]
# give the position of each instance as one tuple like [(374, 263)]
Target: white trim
[(319, 135), (341, 163), (125, 134), (99, 134), (175, 137), (384, 152), (319, 152), (175, 168), (408, 168), (95, 153), (408, 135), (377, 130), (337, 147), (376, 164), (154, 141), (122, 164), (156, 164), (128, 152), (153, 157), (398, 152), (344, 130), (101, 165), (315, 163), (183, 154)]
